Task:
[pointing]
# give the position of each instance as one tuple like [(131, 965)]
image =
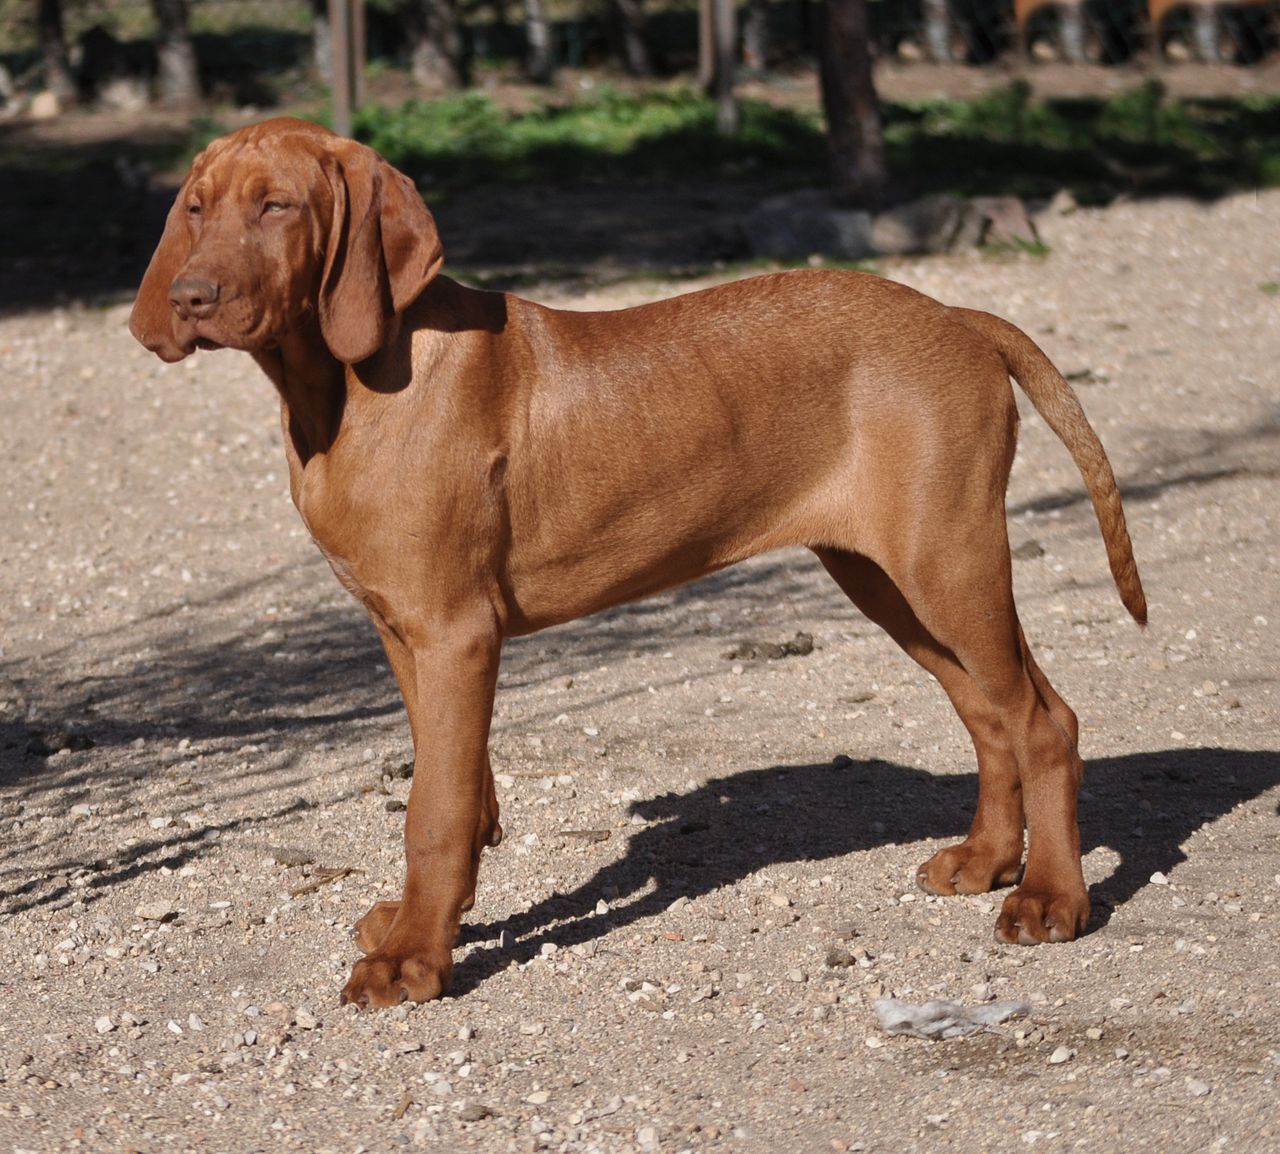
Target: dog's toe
[(385, 979), (970, 868)]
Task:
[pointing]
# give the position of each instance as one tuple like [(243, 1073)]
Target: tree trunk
[(859, 173), (635, 44), (178, 78), (755, 37), (53, 49), (725, 24), (321, 41), (937, 30), (438, 52), (706, 46), (1204, 33), (1071, 33), (539, 64)]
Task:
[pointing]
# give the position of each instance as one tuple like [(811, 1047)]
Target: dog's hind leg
[(991, 855), (958, 621)]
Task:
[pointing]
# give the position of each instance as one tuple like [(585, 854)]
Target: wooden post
[(706, 47), (725, 22), (346, 21), (358, 52)]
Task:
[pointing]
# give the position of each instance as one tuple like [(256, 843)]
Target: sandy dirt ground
[(708, 874)]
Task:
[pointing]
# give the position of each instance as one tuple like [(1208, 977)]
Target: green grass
[(608, 135), (1138, 142)]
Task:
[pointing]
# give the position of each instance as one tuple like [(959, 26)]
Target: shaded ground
[(83, 198)]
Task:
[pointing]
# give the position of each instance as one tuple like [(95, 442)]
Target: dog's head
[(274, 224)]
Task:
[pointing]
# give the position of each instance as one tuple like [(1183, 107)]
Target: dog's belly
[(660, 546)]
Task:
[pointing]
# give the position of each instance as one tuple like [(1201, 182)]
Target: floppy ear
[(383, 250), (151, 321)]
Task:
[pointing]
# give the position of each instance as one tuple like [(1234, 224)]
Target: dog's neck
[(312, 385)]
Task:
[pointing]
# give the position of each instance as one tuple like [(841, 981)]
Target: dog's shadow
[(1142, 806)]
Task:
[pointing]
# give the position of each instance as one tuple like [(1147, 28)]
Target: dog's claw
[(361, 1003), (1031, 918)]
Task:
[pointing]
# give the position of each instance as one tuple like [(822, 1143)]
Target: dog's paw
[(371, 930), (1031, 916), (389, 977), (970, 868)]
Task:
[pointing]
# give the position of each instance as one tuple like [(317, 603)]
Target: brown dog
[(476, 466)]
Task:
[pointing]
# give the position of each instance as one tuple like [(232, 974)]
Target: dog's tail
[(1057, 403)]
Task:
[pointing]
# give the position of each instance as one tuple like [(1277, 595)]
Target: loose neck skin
[(312, 387), (319, 393)]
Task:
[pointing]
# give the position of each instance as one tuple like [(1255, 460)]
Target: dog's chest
[(341, 518)]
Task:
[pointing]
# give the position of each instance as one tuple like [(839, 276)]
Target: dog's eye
[(193, 210), (274, 207)]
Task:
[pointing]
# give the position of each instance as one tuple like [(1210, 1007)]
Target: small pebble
[(838, 957), (158, 911), (1060, 1055)]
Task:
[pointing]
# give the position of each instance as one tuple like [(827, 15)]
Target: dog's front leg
[(372, 928), (448, 820)]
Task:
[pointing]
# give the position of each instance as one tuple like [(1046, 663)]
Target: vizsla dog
[(475, 467)]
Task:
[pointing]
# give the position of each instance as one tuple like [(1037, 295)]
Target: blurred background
[(600, 138)]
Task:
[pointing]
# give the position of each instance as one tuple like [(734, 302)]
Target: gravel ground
[(708, 873)]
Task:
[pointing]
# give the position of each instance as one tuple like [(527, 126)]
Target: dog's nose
[(193, 296)]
